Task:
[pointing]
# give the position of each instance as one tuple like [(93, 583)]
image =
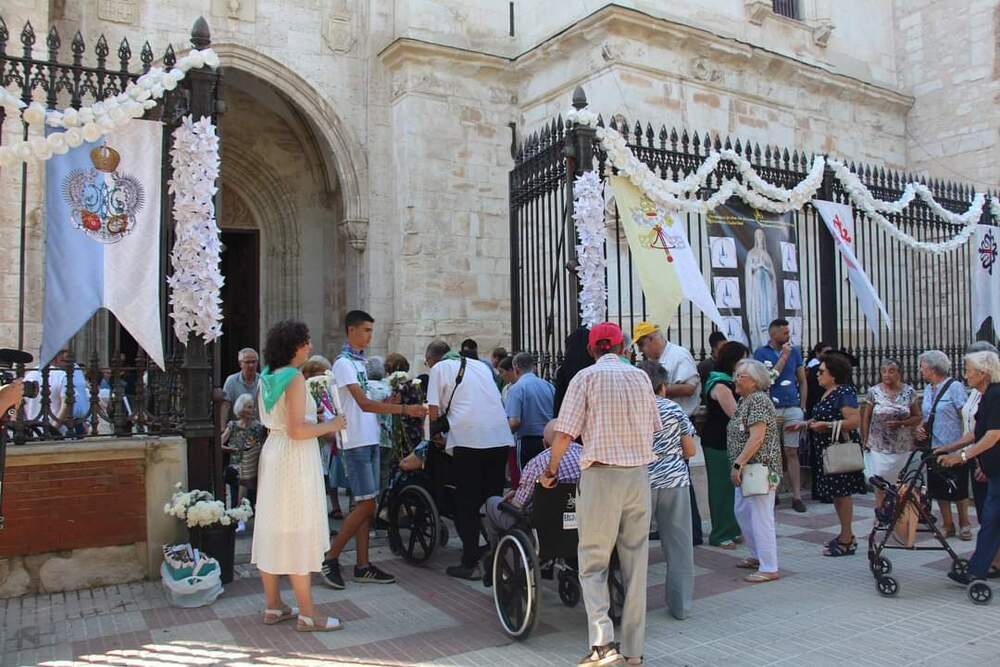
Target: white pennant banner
[(985, 275), (839, 220)]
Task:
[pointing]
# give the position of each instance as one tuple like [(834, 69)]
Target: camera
[(7, 360)]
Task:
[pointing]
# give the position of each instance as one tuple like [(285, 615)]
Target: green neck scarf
[(452, 354), (274, 383), (714, 378)]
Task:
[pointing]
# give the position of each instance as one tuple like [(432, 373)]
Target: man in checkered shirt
[(611, 407)]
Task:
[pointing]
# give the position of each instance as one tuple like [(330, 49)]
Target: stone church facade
[(367, 143)]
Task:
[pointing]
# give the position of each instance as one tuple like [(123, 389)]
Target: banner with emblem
[(102, 249), (985, 273), (668, 270)]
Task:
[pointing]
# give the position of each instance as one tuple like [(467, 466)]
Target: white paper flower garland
[(93, 122), (682, 195), (194, 286), (588, 213)]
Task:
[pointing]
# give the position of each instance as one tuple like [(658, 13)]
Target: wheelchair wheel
[(616, 589), (515, 584), (569, 589), (414, 523)]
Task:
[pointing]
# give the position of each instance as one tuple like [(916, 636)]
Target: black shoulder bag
[(925, 443), (441, 425)]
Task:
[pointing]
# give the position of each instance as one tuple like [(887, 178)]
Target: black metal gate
[(542, 235), (176, 399)]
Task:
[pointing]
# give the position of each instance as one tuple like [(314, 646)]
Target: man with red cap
[(611, 407)]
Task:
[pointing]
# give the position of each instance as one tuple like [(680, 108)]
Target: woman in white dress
[(291, 530)]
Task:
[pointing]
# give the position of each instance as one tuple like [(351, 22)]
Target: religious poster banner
[(985, 272), (102, 222), (755, 272), (839, 219), (668, 270)]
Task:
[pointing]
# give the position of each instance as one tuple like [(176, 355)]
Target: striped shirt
[(612, 408), (569, 471), (670, 469)]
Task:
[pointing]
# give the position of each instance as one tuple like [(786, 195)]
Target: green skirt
[(720, 497)]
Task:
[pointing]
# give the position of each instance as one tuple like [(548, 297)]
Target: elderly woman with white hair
[(944, 397), (982, 373), (752, 438)]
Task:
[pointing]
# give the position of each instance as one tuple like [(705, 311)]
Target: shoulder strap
[(937, 399), (458, 381)]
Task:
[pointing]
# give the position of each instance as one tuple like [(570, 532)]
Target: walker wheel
[(980, 592), (887, 586), (569, 589), (881, 566), (960, 567)]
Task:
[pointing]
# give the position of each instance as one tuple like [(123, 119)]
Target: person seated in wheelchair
[(497, 519)]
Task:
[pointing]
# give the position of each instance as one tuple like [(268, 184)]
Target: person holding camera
[(479, 436)]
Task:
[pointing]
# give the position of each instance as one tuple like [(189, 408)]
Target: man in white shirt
[(685, 383), (360, 451), (478, 439)]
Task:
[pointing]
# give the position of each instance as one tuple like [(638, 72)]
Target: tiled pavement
[(824, 611)]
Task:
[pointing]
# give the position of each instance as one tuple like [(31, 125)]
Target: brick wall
[(63, 506)]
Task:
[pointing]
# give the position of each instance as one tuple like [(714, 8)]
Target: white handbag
[(842, 455), (755, 479)]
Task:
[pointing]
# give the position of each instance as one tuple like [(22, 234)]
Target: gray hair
[(982, 346), (246, 350), (985, 362), (756, 371), (937, 361), (375, 366), (437, 349), (241, 402), (657, 373), (524, 361), (886, 362), (321, 360)]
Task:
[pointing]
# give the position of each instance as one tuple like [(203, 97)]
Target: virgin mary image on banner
[(761, 282)]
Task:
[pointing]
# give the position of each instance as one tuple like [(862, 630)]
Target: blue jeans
[(362, 465), (988, 541)]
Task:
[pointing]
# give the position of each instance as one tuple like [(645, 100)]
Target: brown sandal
[(275, 616), (761, 577), (748, 564), (328, 624)]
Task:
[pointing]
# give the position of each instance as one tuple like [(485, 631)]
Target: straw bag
[(842, 455)]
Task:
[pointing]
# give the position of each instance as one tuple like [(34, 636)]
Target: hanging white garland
[(588, 213), (682, 195), (194, 286), (92, 122)]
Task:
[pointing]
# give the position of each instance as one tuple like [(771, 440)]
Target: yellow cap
[(643, 329)]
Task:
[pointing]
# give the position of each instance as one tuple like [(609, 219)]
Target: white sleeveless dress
[(291, 532)]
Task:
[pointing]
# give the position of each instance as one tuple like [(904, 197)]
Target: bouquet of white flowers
[(200, 509)]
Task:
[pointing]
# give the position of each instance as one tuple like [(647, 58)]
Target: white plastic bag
[(198, 590)]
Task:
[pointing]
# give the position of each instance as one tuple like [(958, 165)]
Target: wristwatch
[(736, 466), (965, 456)]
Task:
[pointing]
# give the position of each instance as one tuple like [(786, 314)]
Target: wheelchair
[(414, 505), (548, 539)]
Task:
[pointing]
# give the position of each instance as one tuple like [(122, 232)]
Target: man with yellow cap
[(685, 383)]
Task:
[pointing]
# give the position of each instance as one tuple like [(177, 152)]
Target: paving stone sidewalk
[(824, 611)]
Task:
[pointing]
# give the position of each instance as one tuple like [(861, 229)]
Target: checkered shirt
[(611, 406), (569, 471)]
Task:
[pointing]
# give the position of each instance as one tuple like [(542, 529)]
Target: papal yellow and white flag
[(660, 249)]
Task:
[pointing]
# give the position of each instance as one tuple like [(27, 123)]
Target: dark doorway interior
[(240, 295)]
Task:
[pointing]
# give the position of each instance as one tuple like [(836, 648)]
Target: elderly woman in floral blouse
[(752, 437)]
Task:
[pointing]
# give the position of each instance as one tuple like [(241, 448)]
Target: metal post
[(204, 456), (827, 249), (579, 152)]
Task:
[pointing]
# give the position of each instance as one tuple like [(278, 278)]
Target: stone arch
[(343, 153)]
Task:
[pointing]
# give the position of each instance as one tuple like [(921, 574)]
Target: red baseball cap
[(608, 331)]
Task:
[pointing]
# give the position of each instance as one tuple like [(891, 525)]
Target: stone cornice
[(407, 49)]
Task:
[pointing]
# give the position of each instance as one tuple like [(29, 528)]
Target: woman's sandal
[(761, 577), (328, 624), (993, 573), (748, 564), (836, 548), (965, 534), (275, 616), (728, 545)]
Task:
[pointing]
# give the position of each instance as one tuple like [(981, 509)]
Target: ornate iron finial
[(201, 37), (53, 41), (78, 46), (28, 36), (124, 53), (579, 98), (146, 56)]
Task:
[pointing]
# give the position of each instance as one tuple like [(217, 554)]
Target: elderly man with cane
[(611, 407)]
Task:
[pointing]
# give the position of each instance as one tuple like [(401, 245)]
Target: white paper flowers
[(581, 117), (196, 306), (588, 213), (101, 117), (200, 509)]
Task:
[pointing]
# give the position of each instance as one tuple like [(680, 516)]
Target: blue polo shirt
[(530, 399), (784, 390)]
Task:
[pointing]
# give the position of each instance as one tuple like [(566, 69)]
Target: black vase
[(219, 542)]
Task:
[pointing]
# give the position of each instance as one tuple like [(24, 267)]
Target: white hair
[(241, 402), (937, 361), (245, 351), (985, 362), (756, 371), (375, 367)]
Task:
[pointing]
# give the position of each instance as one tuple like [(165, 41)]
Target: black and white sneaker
[(331, 574), (372, 575)]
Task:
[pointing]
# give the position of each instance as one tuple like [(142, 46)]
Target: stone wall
[(87, 513)]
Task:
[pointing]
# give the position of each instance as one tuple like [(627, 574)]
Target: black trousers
[(696, 534), (478, 474), (528, 447)]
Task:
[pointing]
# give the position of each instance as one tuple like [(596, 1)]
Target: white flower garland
[(93, 122), (588, 213), (194, 297)]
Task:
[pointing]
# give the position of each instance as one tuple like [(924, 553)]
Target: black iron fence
[(124, 393), (927, 297)]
